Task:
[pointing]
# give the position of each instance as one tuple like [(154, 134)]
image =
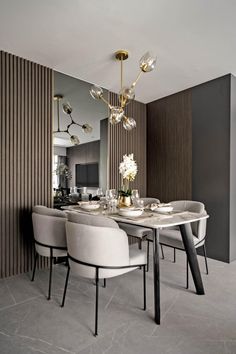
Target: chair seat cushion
[(137, 256), (135, 231), (45, 251), (173, 238)]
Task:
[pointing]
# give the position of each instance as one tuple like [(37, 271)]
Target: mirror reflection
[(79, 142)]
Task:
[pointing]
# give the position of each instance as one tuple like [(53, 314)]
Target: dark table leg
[(187, 236), (156, 276)]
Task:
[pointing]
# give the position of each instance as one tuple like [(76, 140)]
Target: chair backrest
[(199, 227), (94, 220), (43, 210), (150, 200), (96, 245), (48, 229)]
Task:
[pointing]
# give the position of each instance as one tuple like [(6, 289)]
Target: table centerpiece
[(128, 170)]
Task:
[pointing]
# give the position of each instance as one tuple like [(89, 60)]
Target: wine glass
[(134, 196), (99, 193), (111, 197)]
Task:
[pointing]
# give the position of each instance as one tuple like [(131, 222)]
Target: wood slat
[(121, 141), (26, 156), (169, 147)]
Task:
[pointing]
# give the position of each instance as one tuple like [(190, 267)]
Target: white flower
[(128, 167)]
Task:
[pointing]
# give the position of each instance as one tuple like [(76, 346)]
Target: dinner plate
[(164, 208), (89, 205)]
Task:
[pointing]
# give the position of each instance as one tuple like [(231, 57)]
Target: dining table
[(157, 221)]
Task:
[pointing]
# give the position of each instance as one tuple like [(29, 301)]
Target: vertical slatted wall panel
[(26, 98), (122, 142), (169, 147)]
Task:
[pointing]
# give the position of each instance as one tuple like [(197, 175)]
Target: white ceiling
[(194, 39)]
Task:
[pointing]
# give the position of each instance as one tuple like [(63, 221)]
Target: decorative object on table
[(127, 93), (63, 170), (128, 170), (67, 109)]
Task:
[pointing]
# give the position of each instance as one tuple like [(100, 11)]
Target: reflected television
[(87, 175)]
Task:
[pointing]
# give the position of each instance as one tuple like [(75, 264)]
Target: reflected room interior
[(79, 142)]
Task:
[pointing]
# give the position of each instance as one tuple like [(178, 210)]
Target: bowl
[(89, 205), (130, 212), (164, 208)]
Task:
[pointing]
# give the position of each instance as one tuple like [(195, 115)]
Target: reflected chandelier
[(67, 109), (127, 93)]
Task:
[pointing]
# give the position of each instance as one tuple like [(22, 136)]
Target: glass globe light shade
[(87, 128), (96, 92), (116, 115), (67, 109), (129, 123), (126, 94), (74, 139), (147, 62)]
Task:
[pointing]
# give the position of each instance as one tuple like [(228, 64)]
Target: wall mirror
[(78, 169)]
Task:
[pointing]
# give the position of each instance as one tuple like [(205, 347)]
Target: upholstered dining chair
[(139, 232), (171, 237), (99, 252), (49, 236)]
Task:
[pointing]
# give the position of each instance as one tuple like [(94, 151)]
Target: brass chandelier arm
[(105, 101), (138, 77), (58, 118), (73, 122), (121, 74)]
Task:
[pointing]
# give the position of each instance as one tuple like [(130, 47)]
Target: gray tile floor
[(191, 324)]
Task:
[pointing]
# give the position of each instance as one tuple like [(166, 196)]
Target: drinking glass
[(135, 194), (99, 192), (111, 197)]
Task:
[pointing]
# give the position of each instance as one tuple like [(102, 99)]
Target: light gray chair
[(99, 252), (49, 236), (139, 232), (171, 237)]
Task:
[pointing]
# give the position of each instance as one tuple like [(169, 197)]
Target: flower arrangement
[(128, 169), (63, 170)]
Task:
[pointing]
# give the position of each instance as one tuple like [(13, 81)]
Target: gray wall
[(212, 168), (232, 249), (211, 160)]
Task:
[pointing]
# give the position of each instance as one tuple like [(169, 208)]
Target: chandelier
[(127, 93), (67, 109)]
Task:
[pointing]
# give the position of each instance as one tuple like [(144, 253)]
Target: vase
[(124, 202)]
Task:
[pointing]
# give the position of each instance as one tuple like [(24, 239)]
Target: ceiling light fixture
[(127, 93), (67, 109)]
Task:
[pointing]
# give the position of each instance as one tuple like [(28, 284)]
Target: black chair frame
[(97, 268), (51, 262), (181, 249)]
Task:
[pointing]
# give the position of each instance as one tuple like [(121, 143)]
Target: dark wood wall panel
[(26, 96), (169, 147), (122, 142)]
